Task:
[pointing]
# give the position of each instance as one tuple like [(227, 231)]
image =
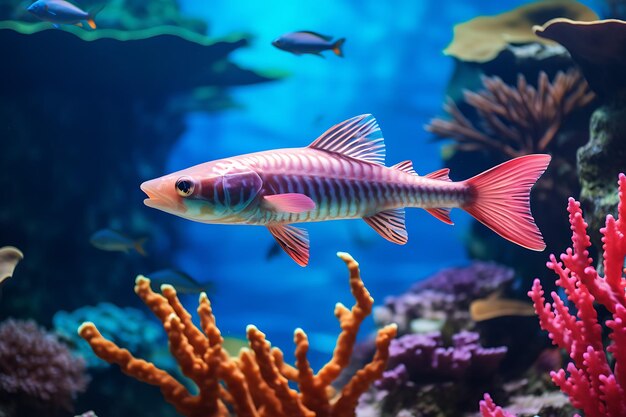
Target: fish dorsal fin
[(289, 202), (405, 166), (358, 137), (390, 225), (319, 35), (440, 174), (442, 214), (293, 240)]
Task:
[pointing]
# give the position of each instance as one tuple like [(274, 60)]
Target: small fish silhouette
[(181, 281), (62, 12), (307, 42), (110, 240), (494, 307), (341, 175)]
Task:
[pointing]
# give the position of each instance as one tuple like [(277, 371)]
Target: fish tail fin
[(501, 199), (93, 13), (139, 246), (338, 47)]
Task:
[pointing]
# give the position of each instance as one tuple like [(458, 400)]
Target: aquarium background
[(393, 68)]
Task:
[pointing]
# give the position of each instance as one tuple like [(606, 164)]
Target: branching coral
[(518, 120), (36, 369), (255, 384), (595, 380)]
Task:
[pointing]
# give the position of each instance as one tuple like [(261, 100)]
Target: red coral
[(591, 383)]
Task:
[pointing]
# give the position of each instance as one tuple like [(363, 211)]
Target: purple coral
[(474, 281), (444, 297), (36, 367), (423, 358)]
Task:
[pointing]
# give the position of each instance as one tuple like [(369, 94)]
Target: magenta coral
[(489, 409), (592, 383)]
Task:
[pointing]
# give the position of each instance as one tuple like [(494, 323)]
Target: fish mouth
[(158, 197)]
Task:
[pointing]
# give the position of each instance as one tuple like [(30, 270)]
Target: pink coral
[(591, 382), (489, 409)]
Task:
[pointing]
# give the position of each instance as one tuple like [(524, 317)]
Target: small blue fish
[(183, 282), (110, 240), (61, 12), (307, 42)]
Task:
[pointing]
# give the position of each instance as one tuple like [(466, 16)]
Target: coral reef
[(446, 379), (423, 358), (443, 299), (124, 326), (9, 258), (595, 379), (36, 370), (257, 382), (483, 38), (502, 122), (598, 48), (514, 121)]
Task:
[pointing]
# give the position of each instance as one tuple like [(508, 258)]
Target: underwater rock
[(483, 38), (258, 379), (600, 49), (84, 136), (37, 372)]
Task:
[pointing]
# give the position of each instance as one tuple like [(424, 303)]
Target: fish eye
[(184, 186)]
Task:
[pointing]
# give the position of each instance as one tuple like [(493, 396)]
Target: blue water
[(394, 69)]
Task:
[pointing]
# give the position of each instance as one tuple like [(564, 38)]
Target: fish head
[(214, 192), (282, 43), (38, 8)]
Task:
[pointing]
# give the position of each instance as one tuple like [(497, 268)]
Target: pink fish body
[(341, 175)]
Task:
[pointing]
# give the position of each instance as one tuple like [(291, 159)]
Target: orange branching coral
[(256, 383), (518, 120)]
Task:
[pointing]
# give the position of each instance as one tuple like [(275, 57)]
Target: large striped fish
[(341, 175)]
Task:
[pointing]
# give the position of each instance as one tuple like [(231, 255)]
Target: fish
[(494, 306), (307, 42), (61, 12), (110, 240), (342, 175), (183, 282)]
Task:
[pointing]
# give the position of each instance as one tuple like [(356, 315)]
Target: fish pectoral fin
[(358, 138), (293, 240), (79, 24), (442, 214), (289, 203), (91, 23), (390, 225)]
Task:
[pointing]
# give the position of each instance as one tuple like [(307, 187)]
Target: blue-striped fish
[(341, 175), (307, 42)]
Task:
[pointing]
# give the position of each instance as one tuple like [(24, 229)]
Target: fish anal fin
[(405, 166), (293, 240), (440, 174), (358, 138), (390, 225), (442, 214), (289, 202), (79, 24)]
